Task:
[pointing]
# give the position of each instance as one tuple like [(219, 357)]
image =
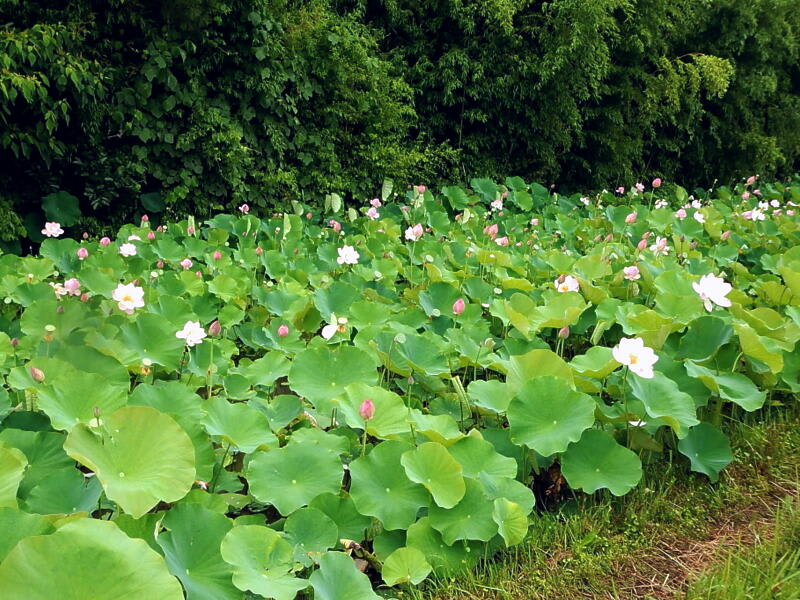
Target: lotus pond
[(339, 405)]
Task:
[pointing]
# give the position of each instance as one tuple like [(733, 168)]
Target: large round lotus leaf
[(438, 298), (44, 451), (294, 475), (470, 519), (261, 560), (405, 565), (596, 363), (431, 465), (736, 387), (12, 469), (321, 374), (350, 523), (179, 402), (510, 489), (597, 461), (380, 488), (437, 428), (704, 337), (151, 337), (477, 456), (511, 519), (128, 454), (707, 448), (63, 492), (238, 424), (73, 397), (335, 299), (390, 417), (492, 395), (445, 560), (547, 414), (338, 579), (191, 547), (16, 525), (311, 531), (86, 558), (663, 399), (425, 353), (536, 363)]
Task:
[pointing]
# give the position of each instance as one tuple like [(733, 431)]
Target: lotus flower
[(567, 284), (127, 249), (283, 331), (128, 297), (186, 263), (414, 233), (52, 230), (631, 273), (632, 353), (347, 255), (713, 290), (82, 253), (192, 332)]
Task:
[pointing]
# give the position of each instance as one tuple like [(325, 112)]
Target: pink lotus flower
[(620, 190), (534, 221), (414, 233), (367, 410), (502, 241), (217, 255), (751, 180), (104, 241), (335, 225), (244, 209), (373, 213), (497, 204), (458, 306), (745, 195), (636, 356), (681, 213), (491, 230), (375, 203), (127, 249), (567, 284), (631, 218), (82, 253), (639, 187), (660, 247), (73, 287), (186, 263), (657, 182), (283, 331), (52, 230), (631, 273)]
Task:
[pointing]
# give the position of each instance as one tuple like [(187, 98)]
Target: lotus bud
[(82, 253), (421, 189), (84, 297), (37, 374), (283, 331), (217, 255), (308, 215), (631, 218), (105, 241), (145, 219), (458, 306), (657, 182), (215, 328), (609, 237), (85, 235), (259, 251), (642, 244), (151, 236), (14, 342), (646, 235), (367, 409), (598, 237), (244, 208), (563, 333), (190, 230), (725, 235), (160, 264)]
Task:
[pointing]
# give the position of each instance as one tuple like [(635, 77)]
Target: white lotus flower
[(713, 290), (569, 284), (127, 249), (192, 333), (698, 216), (52, 230), (632, 353), (329, 331), (128, 297), (347, 255)]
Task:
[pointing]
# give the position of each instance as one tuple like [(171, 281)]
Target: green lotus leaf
[(335, 299), (390, 417), (704, 337), (311, 531), (492, 395), (432, 466), (261, 560), (437, 428), (292, 476), (63, 492), (86, 558), (445, 560), (597, 363), (425, 353), (759, 347), (268, 369), (238, 425), (536, 363), (510, 489), (708, 450), (470, 519), (547, 414), (438, 298), (127, 452), (191, 545), (379, 486), (736, 387), (280, 410), (511, 519), (338, 579), (663, 399), (151, 337), (44, 452), (16, 525), (559, 310), (64, 317), (597, 461), (405, 565), (479, 457), (321, 374), (351, 524), (12, 470)]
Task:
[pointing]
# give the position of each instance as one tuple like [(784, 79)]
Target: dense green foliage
[(248, 404), (146, 105)]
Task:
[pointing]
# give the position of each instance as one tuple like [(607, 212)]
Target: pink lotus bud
[(186, 263), (598, 237), (309, 215), (725, 235), (646, 235), (151, 236), (215, 328), (82, 253), (244, 208), (14, 342), (534, 221), (609, 237), (642, 244), (217, 255), (259, 250), (504, 194), (563, 333), (745, 196), (790, 212), (104, 241), (160, 264), (198, 274), (458, 306), (657, 182), (421, 189), (37, 374), (283, 331), (751, 180), (631, 218), (502, 241), (190, 230), (145, 219), (757, 192), (84, 297), (367, 409), (85, 235)]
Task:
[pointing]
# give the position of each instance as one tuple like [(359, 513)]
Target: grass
[(653, 542)]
